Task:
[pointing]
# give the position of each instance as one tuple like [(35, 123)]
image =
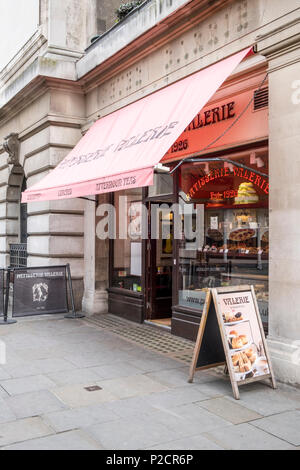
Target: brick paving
[(140, 396)]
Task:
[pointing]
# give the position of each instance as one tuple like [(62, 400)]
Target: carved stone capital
[(11, 145)]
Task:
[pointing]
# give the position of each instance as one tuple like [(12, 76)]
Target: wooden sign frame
[(210, 302)]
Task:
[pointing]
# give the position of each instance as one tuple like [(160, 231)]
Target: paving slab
[(172, 378), (215, 388), (153, 362), (191, 443), (32, 354), (67, 420), (126, 387), (74, 377), (246, 437), (22, 370), (186, 420), (137, 406), (179, 377), (6, 414), (23, 430), (176, 397), (266, 401), (3, 393), (76, 396), (118, 370), (87, 359), (286, 426), (51, 365), (34, 404), (130, 434), (232, 412), (4, 374), (27, 384), (74, 440)]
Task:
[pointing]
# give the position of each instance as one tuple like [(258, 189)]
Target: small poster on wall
[(231, 323), (214, 225), (136, 259)]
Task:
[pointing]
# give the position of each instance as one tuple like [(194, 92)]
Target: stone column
[(281, 47), (96, 258)]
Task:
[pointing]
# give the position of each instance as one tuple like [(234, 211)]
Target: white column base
[(95, 302), (285, 357)]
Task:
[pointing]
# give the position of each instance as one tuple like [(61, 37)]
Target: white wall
[(19, 20)]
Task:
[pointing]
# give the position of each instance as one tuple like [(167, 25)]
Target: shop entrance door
[(159, 264)]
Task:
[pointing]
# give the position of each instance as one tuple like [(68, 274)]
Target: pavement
[(73, 385)]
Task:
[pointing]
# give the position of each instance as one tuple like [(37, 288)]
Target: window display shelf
[(262, 277)]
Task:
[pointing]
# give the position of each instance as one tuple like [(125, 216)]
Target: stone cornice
[(282, 44), (29, 50), (91, 73), (33, 90)]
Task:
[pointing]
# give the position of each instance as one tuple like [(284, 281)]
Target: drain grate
[(93, 388), (149, 337)]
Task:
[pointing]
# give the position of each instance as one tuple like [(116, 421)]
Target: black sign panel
[(1, 292), (211, 349), (40, 291)]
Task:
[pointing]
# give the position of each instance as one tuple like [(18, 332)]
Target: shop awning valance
[(121, 149)]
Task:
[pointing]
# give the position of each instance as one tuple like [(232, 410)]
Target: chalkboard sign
[(231, 332), (38, 291), (209, 350)]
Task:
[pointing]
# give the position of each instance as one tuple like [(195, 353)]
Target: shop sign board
[(231, 333), (41, 290), (215, 119)]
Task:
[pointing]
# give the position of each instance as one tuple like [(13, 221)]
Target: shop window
[(127, 246), (228, 243)]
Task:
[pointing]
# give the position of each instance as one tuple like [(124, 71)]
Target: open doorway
[(159, 264)]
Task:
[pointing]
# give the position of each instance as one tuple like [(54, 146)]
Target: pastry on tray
[(232, 317), (237, 341), (241, 362), (241, 234)]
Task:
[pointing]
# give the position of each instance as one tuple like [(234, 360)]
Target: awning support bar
[(88, 199)]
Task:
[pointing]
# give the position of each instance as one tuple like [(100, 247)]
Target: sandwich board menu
[(231, 333), (39, 290)]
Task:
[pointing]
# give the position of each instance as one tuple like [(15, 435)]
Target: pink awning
[(121, 149)]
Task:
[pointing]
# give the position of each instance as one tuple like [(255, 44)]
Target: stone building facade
[(56, 87), (42, 113)]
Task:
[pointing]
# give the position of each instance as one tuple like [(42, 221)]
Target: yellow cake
[(246, 194)]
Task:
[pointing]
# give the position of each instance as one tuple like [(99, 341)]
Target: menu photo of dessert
[(240, 337), (249, 363), (231, 317)]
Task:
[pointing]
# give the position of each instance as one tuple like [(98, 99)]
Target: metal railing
[(18, 255)]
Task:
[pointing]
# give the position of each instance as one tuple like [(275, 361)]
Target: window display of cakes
[(246, 194)]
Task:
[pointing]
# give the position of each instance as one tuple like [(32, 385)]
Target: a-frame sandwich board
[(231, 333)]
